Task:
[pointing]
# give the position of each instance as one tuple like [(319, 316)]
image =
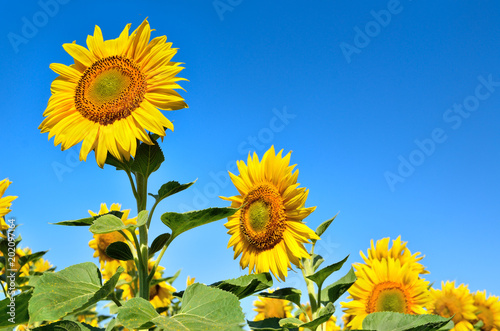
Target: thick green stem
[(142, 195)]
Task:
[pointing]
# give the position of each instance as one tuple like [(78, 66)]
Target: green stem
[(115, 300), (142, 196)]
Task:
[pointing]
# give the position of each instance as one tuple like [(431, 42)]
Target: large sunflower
[(5, 203), (454, 301), (271, 307), (488, 310), (397, 251), (102, 241), (268, 230), (386, 285), (112, 93)]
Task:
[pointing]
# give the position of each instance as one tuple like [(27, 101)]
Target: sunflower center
[(110, 89), (487, 317), (263, 217), (449, 306), (388, 296)]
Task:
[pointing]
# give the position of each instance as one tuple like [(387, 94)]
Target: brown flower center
[(263, 217), (110, 89)]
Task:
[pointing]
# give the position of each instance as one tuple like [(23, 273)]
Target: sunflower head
[(190, 281), (111, 95), (270, 307), (268, 230), (102, 241), (454, 301), (488, 310), (397, 251), (385, 285), (5, 203)]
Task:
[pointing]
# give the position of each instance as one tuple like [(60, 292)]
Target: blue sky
[(390, 109)]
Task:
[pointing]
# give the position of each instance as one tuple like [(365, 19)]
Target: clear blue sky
[(390, 109)]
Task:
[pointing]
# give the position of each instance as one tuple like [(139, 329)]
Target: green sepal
[(158, 243), (181, 222), (89, 220), (71, 289), (119, 165), (320, 276), (169, 189), (332, 292), (391, 321), (287, 293), (119, 251), (21, 309), (323, 226), (148, 159)]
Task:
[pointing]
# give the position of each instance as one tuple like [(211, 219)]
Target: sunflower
[(102, 241), (386, 285), (397, 251), (488, 310), (5, 203), (454, 301), (270, 307), (41, 265), (330, 325), (112, 93), (190, 281), (268, 230)]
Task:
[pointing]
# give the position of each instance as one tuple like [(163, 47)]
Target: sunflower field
[(112, 99)]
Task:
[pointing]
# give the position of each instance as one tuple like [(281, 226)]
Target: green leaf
[(106, 224), (89, 220), (319, 276), (324, 315), (30, 258), (290, 322), (158, 243), (120, 251), (247, 285), (169, 189), (287, 293), (332, 292), (317, 260), (21, 309), (66, 326), (269, 324), (180, 223), (391, 321), (323, 226), (148, 159), (74, 288), (203, 308), (111, 324), (142, 218), (119, 165)]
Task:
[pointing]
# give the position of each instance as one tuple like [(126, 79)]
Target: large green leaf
[(391, 321), (169, 189), (319, 276), (74, 288), (20, 305), (332, 292), (287, 293), (246, 285), (120, 251), (148, 159), (89, 220), (323, 226), (180, 223), (203, 308)]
